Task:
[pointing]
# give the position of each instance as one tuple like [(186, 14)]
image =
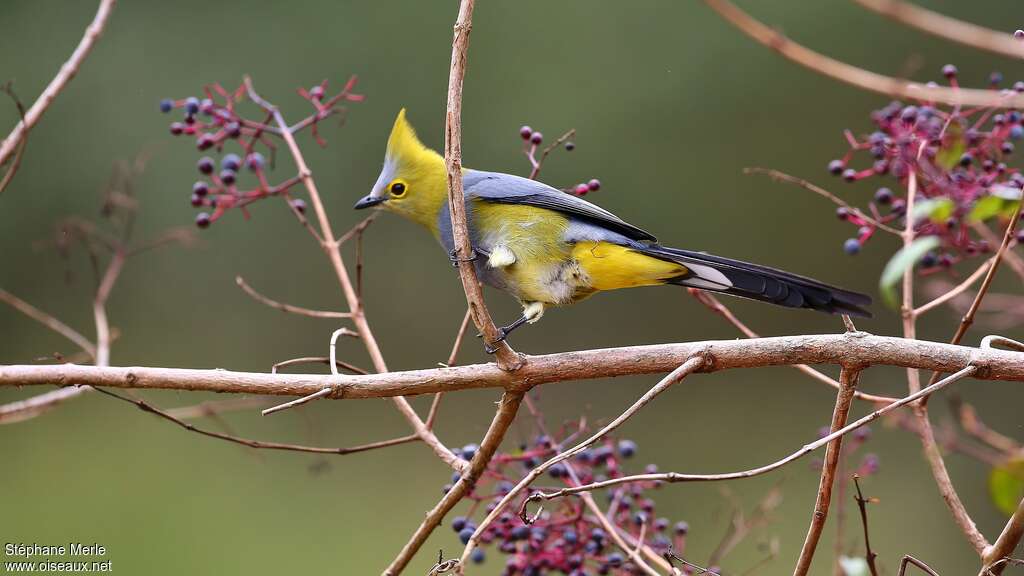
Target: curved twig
[(66, 73)]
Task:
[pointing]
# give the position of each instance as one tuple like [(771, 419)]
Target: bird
[(547, 247)]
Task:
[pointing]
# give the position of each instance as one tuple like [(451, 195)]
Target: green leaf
[(986, 208), (937, 209), (900, 262), (952, 149), (1006, 485)]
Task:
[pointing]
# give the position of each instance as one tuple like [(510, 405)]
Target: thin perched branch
[(146, 407), (508, 407), (858, 348), (752, 472), (1013, 260), (49, 321), (709, 300), (908, 560), (955, 291), (332, 248), (21, 410), (691, 365), (862, 504), (66, 73), (848, 378), (855, 76), (464, 254), (99, 307), (20, 152), (779, 176), (452, 356), (948, 28), (994, 556), (287, 307)]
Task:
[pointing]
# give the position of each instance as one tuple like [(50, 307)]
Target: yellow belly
[(548, 269), (609, 266)]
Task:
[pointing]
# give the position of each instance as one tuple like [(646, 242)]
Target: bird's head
[(412, 182)]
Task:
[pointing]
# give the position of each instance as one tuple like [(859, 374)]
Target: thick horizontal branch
[(851, 349)]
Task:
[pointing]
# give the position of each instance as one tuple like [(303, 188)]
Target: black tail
[(762, 283)]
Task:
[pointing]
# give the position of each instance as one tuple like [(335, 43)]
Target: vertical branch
[(507, 409), (99, 306), (66, 73), (507, 358), (848, 381)]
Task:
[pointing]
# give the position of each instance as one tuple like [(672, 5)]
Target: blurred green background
[(670, 105)]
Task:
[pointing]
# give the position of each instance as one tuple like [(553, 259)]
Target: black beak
[(368, 201)]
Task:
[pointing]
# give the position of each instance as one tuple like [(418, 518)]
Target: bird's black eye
[(398, 189)]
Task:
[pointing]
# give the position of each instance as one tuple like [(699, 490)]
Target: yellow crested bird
[(549, 248)]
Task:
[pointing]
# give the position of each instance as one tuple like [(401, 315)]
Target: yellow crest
[(403, 143)]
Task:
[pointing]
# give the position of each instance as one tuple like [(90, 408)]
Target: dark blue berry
[(465, 534), (204, 142), (966, 159), (202, 220), (851, 246), (570, 536), (883, 196), (469, 450), (200, 188), (206, 165), (191, 105), (177, 128), (681, 528), (598, 535), (519, 533), (835, 167), (166, 105), (254, 161), (1007, 147), (615, 559), (228, 176), (233, 129), (197, 200), (1016, 132), (594, 185), (536, 138), (478, 556), (627, 448), (458, 523), (949, 71), (525, 132), (231, 162), (558, 470)]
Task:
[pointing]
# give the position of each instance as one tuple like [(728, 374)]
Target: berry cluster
[(532, 139), (566, 538), (959, 158), (216, 123)]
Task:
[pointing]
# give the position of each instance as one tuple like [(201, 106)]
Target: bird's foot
[(454, 258), (503, 332)]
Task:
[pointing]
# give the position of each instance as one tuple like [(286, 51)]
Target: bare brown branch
[(287, 307), (848, 378), (853, 75), (66, 73), (947, 28)]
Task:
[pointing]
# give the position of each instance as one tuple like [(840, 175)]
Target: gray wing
[(509, 189)]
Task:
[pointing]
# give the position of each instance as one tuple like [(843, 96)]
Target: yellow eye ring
[(398, 188)]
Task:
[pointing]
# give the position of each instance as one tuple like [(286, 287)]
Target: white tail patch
[(713, 279)]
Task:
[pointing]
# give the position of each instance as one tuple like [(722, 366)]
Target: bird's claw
[(492, 347), (454, 258)]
